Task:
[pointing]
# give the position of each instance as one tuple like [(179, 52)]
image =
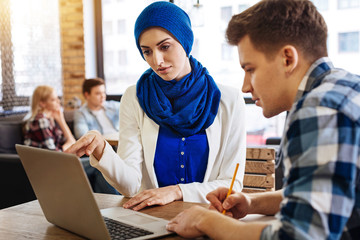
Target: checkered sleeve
[(44, 134), (322, 147)]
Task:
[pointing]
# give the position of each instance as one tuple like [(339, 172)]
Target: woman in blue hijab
[(181, 134)]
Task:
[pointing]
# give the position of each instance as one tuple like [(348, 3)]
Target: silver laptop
[(67, 200)]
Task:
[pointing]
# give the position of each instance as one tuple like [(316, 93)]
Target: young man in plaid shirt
[(282, 49)]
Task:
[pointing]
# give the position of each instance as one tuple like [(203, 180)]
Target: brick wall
[(72, 48)]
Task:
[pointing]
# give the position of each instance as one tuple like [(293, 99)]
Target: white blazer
[(131, 169)]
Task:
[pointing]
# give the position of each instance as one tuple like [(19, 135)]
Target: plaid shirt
[(321, 155), (42, 132)]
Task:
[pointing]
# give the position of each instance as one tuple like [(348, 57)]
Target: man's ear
[(86, 94), (290, 57)]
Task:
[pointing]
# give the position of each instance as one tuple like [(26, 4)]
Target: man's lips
[(257, 101)]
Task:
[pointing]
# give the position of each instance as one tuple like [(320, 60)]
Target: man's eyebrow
[(157, 43)]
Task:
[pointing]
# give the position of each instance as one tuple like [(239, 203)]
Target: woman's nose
[(158, 58)]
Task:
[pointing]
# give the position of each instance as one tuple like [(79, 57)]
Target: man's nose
[(246, 87)]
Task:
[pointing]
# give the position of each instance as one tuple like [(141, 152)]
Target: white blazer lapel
[(150, 134), (212, 134)]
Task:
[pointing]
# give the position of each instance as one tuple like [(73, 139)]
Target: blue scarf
[(186, 106)]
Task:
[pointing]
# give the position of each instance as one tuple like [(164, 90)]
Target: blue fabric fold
[(186, 106)]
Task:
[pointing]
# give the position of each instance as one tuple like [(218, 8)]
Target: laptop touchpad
[(127, 215), (137, 219)]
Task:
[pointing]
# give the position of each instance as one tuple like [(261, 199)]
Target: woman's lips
[(163, 70)]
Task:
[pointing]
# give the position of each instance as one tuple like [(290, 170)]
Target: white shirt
[(104, 121)]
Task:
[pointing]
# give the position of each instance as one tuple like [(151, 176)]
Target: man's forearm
[(218, 226), (267, 203)]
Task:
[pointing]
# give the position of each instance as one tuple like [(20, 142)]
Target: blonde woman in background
[(45, 125)]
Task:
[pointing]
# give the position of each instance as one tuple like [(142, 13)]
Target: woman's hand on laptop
[(157, 196), (91, 143)]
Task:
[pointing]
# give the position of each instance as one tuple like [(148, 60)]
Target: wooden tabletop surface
[(27, 221)]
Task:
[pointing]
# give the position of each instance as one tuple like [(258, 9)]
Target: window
[(260, 128), (349, 42), (124, 69), (226, 13), (227, 52), (196, 47), (322, 5), (107, 28), (122, 58), (242, 7), (121, 26), (109, 63), (30, 50), (348, 4)]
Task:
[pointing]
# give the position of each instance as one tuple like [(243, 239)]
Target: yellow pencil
[(232, 184)]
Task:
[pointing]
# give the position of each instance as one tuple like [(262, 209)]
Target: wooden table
[(27, 221)]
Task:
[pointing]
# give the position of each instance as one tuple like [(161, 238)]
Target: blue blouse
[(179, 159)]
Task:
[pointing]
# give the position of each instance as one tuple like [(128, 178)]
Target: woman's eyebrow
[(143, 46)]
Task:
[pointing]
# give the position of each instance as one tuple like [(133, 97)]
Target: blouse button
[(182, 166), (183, 139), (182, 179), (182, 153)]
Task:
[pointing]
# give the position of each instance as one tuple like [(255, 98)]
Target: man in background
[(97, 113)]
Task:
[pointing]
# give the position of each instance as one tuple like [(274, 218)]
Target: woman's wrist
[(178, 193), (99, 151), (60, 120)]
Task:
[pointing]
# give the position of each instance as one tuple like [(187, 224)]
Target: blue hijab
[(187, 106)]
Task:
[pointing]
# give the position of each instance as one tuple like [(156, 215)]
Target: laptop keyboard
[(119, 230)]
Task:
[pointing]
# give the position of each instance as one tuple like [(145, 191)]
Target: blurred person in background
[(45, 125), (96, 113)]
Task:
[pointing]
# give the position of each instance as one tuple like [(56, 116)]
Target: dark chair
[(273, 141), (15, 187), (11, 133)]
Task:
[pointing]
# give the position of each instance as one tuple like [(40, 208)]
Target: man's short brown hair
[(88, 84), (271, 24)]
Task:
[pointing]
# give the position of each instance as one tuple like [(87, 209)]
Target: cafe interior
[(62, 42)]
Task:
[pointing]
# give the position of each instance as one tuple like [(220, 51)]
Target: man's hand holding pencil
[(236, 205), (190, 222), (228, 202)]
